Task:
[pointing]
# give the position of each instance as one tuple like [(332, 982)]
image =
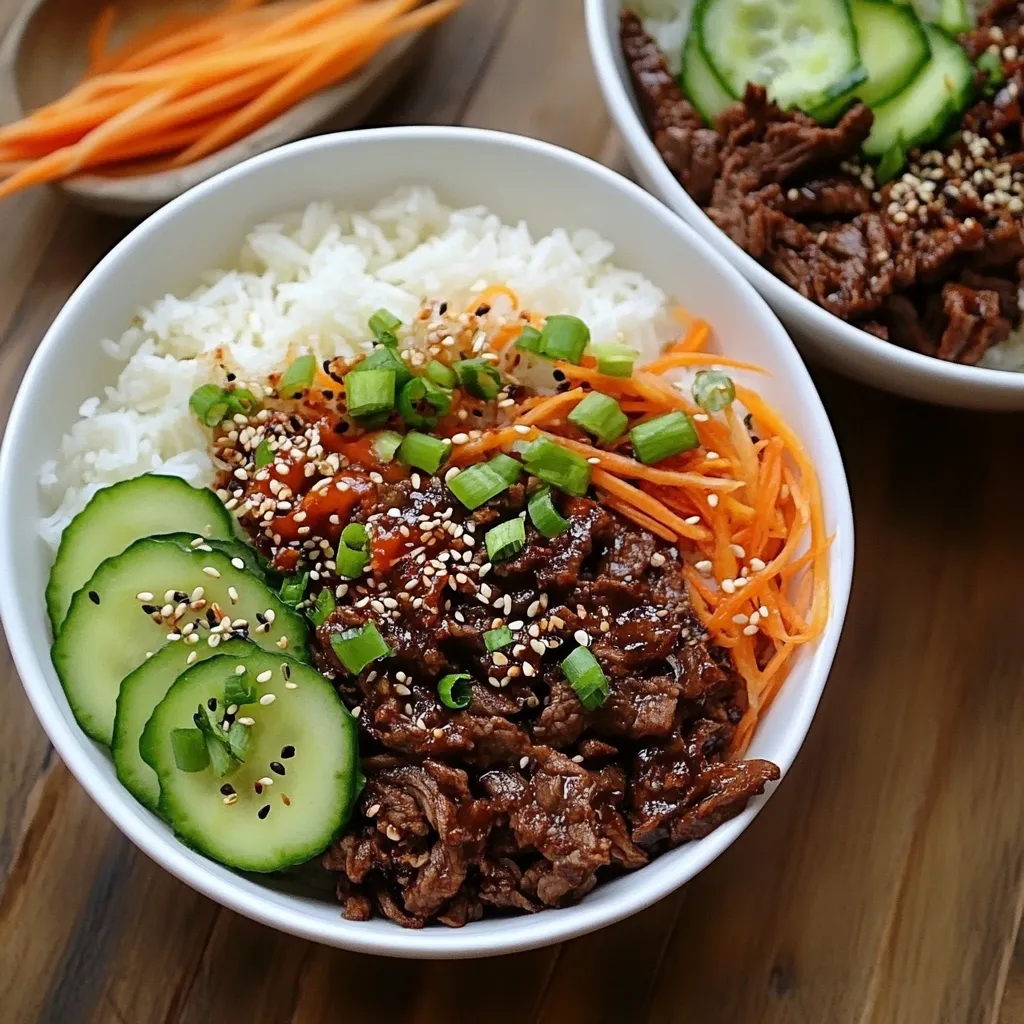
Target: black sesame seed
[(483, 309), (558, 375), (277, 768), (212, 703), (288, 751), (180, 595), (478, 412), (260, 618), (210, 617), (150, 609), (341, 428), (94, 597), (443, 308), (263, 811), (286, 671), (258, 786), (231, 377), (227, 789), (294, 420), (327, 393)]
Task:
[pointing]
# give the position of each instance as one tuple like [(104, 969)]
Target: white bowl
[(519, 179), (823, 336)]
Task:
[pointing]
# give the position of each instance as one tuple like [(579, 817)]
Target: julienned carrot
[(551, 407), (99, 37), (674, 360), (638, 517), (645, 503)]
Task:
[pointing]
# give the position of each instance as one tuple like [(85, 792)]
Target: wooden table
[(883, 884)]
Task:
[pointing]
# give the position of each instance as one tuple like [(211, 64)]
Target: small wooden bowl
[(44, 54)]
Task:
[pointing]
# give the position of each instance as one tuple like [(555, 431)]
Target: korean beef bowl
[(858, 160), (454, 570)]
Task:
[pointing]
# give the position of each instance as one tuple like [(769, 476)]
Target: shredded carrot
[(488, 295), (549, 408), (645, 503), (688, 357), (99, 37), (632, 512)]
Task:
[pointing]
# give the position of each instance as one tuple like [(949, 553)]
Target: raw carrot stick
[(645, 503), (638, 517), (548, 409), (674, 360), (99, 37)]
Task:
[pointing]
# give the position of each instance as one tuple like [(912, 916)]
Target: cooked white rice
[(309, 282)]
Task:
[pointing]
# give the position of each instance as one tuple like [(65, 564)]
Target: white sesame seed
[(692, 520), (763, 611), (657, 559), (264, 677), (703, 566), (738, 550), (713, 500), (729, 586), (756, 564), (392, 833), (267, 698), (233, 594), (210, 571), (749, 630), (740, 619), (246, 720), (238, 563), (582, 637), (144, 595)]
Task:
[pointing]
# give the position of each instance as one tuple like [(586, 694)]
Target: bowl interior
[(518, 179), (835, 342)]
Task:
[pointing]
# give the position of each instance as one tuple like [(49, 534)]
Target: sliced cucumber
[(108, 633), (704, 89), (954, 16), (238, 550), (921, 112), (302, 753), (121, 514), (804, 51), (139, 695)]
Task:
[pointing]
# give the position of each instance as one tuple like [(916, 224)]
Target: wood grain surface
[(883, 884)]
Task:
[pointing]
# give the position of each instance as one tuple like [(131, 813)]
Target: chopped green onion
[(495, 639), (663, 437), (243, 400), (351, 562), (713, 391), (478, 377), (600, 416), (385, 444), (421, 451), (992, 65), (298, 376), (586, 678), (357, 648), (293, 589), (238, 740), (613, 359), (209, 405), (383, 357), (264, 455), (558, 466), (455, 691), (892, 161), (544, 515), (323, 607), (422, 403), (529, 340), (240, 690), (369, 392), (565, 338), (384, 322), (505, 540), (355, 536), (485, 480), (216, 740), (189, 749), (441, 374)]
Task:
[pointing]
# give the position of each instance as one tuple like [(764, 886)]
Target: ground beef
[(794, 194), (525, 799)]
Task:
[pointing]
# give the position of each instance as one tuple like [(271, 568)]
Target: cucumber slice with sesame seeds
[(115, 620), (241, 554), (292, 793), (139, 694), (120, 514)]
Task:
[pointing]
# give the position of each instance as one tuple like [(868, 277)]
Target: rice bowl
[(571, 185)]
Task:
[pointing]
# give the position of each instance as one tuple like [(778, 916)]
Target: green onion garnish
[(383, 357), (455, 691), (495, 639), (355, 536), (243, 400), (422, 403), (892, 161), (992, 65), (209, 404), (663, 437), (189, 749), (586, 678), (505, 540), (293, 589), (384, 322), (485, 480), (357, 648), (529, 340), (351, 562), (441, 374), (713, 390), (216, 740), (544, 515), (478, 377), (369, 392), (264, 455), (421, 451), (385, 444), (298, 377), (238, 740), (613, 359), (600, 416), (565, 338), (558, 466), (240, 690), (323, 607)]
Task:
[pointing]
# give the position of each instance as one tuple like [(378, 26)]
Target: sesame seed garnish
[(263, 811), (94, 597), (211, 571), (392, 833), (231, 798), (265, 677), (713, 500), (144, 595), (267, 698), (246, 720), (749, 630), (729, 586), (238, 563)]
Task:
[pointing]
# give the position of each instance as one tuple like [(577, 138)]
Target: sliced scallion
[(421, 402), (529, 340), (507, 467), (189, 749), (496, 639), (298, 377), (355, 536), (586, 677), (351, 562), (565, 338), (323, 607), (385, 444), (441, 374), (243, 400), (264, 455), (209, 404), (543, 514), (485, 480), (240, 690), (664, 437), (713, 391), (384, 322), (600, 416), (558, 466), (293, 589), (238, 740), (357, 648), (384, 357), (421, 451), (216, 740), (505, 540), (369, 392), (478, 377), (454, 691), (613, 359)]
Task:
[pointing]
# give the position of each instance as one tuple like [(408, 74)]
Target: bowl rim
[(978, 382), (516, 934)]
